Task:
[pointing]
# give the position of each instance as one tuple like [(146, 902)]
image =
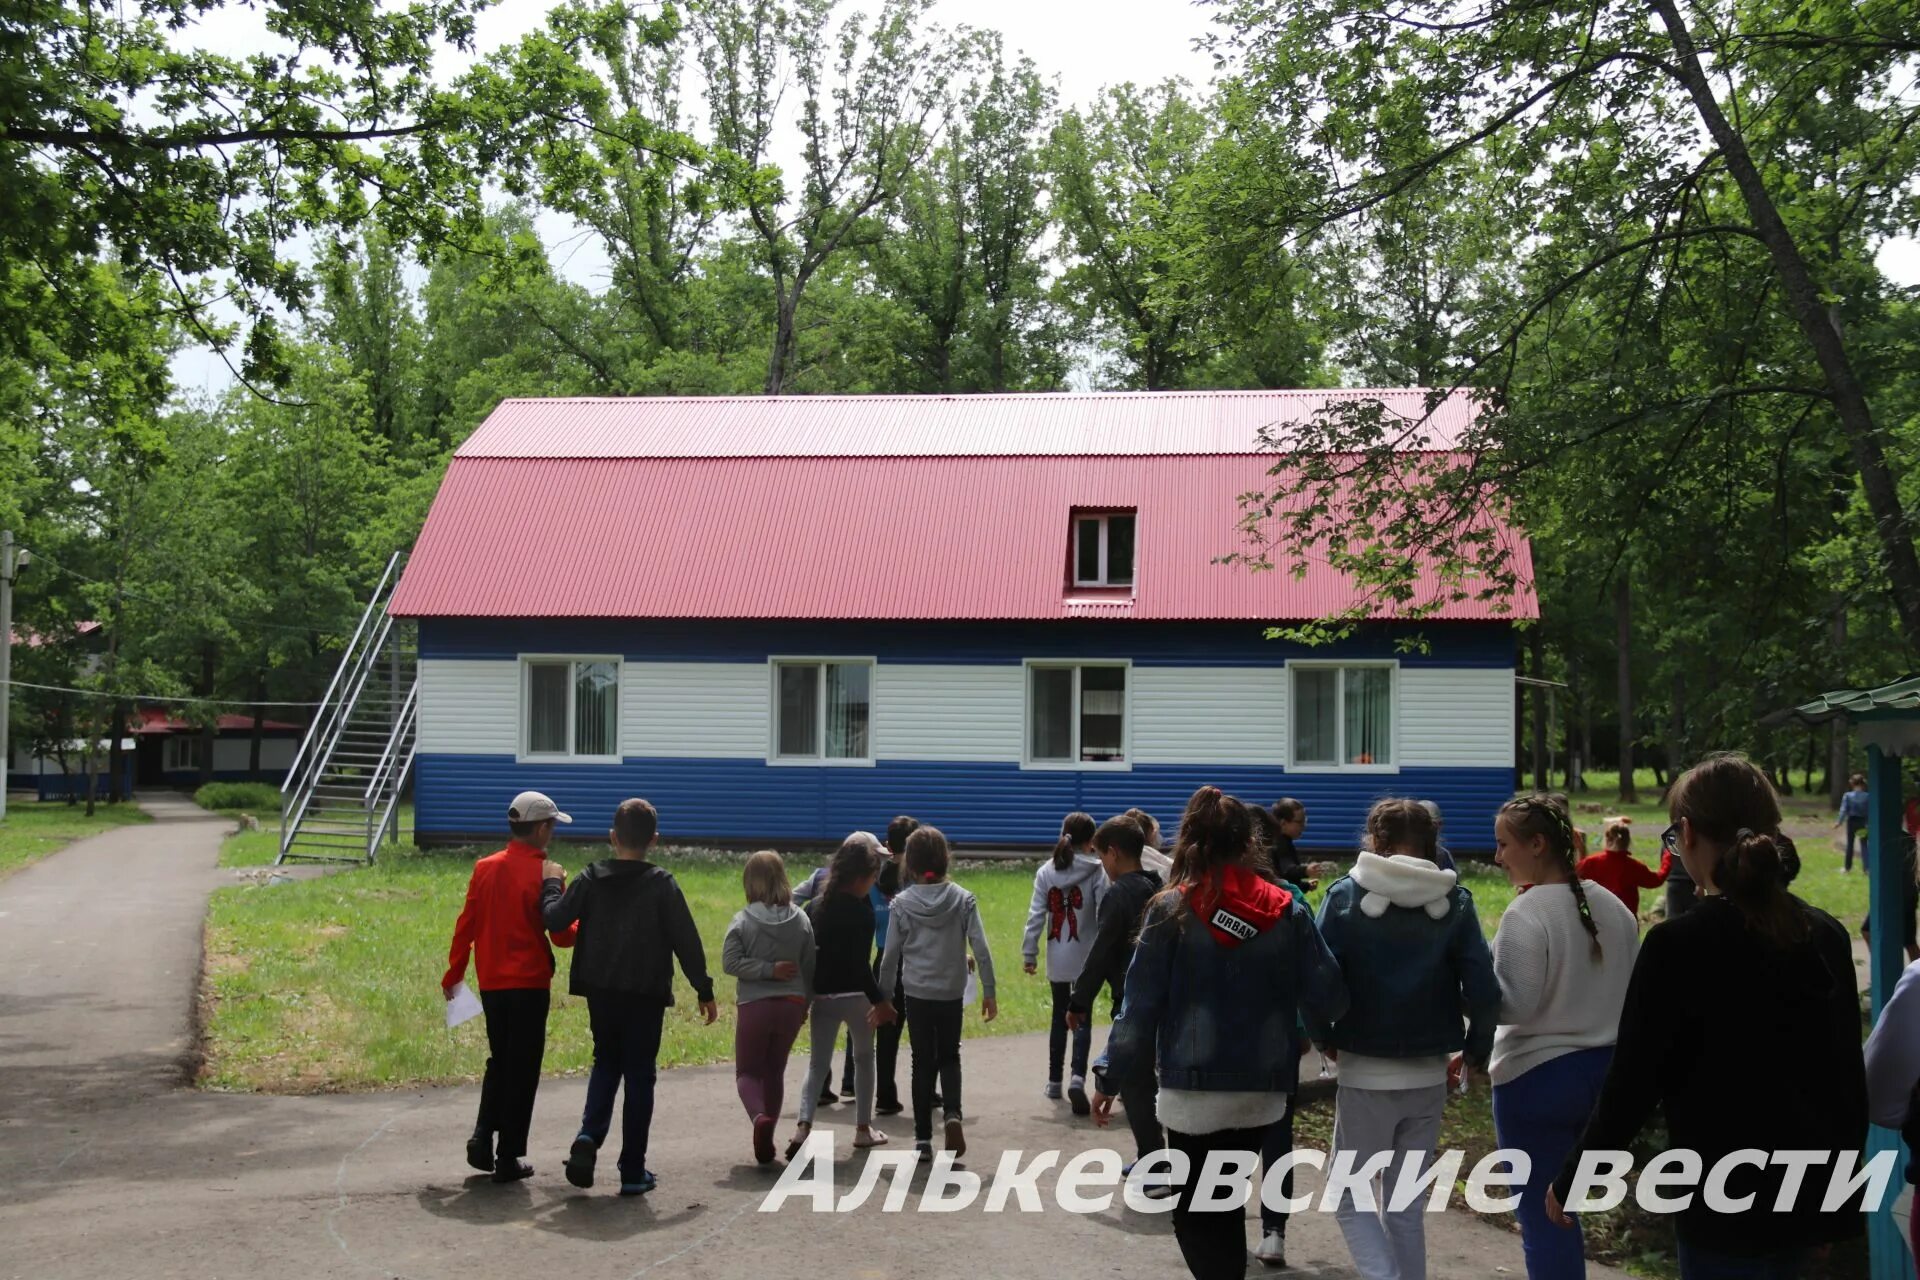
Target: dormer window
[(1103, 549)]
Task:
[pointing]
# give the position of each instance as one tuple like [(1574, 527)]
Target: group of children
[(1219, 978)]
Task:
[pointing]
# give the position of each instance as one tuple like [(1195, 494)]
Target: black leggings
[(1213, 1242), (934, 1027), (1276, 1147)]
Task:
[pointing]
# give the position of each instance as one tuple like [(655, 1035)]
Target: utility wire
[(154, 697)]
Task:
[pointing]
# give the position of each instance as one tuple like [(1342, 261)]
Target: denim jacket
[(1214, 992), (1416, 963)]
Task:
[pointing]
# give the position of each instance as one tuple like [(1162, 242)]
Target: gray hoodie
[(931, 927), (758, 937)]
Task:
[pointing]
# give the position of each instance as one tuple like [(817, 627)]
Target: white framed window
[(1078, 715), (184, 752), (1344, 716), (570, 708), (822, 711), (1103, 545)]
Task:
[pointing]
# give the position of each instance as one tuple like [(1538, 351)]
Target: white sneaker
[(1272, 1250)]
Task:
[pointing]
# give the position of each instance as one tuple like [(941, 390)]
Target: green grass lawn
[(33, 829), (334, 983)]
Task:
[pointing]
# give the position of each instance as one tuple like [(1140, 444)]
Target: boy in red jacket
[(501, 926)]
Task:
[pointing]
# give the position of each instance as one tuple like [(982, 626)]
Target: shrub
[(256, 797)]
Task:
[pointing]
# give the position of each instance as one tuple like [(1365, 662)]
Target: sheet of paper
[(462, 1006), (973, 990)]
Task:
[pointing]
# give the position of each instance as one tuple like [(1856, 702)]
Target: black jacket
[(1115, 931), (843, 941), (634, 922), (1741, 1045), (1287, 864)]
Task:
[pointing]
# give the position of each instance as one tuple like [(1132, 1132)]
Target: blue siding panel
[(974, 803), (1451, 644)]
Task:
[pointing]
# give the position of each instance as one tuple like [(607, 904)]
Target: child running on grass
[(500, 926), (1415, 961), (769, 950), (1616, 870), (634, 923), (1066, 902), (846, 989), (934, 922)]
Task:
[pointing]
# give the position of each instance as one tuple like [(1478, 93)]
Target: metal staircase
[(341, 800)]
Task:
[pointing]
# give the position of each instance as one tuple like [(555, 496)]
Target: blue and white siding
[(1207, 704)]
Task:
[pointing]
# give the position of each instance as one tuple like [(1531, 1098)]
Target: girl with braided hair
[(1563, 957)]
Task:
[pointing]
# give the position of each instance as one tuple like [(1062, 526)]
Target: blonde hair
[(765, 880), (1617, 833)]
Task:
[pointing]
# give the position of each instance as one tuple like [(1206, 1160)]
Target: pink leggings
[(763, 1035)]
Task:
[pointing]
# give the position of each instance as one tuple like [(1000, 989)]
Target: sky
[(1085, 45)]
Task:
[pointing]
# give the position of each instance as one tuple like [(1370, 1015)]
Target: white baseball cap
[(532, 806)]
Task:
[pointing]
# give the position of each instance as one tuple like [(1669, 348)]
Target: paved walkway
[(114, 1170)]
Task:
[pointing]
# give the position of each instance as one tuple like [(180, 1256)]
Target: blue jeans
[(626, 1044), (1697, 1263), (1057, 1035), (1543, 1112)]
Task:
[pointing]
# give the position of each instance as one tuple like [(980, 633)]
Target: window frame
[(523, 749), (1341, 665), (1104, 582), (191, 742), (1073, 763), (820, 760)]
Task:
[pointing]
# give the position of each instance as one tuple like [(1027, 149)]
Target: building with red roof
[(785, 618)]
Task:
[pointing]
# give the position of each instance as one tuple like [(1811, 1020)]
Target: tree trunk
[(1837, 730), (1676, 731), (780, 359), (1813, 750), (1623, 623), (1803, 298), (259, 725), (1537, 643), (211, 730), (116, 756)]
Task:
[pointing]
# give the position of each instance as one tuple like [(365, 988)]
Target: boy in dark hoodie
[(930, 928), (634, 923), (1410, 944), (500, 927), (1119, 843)]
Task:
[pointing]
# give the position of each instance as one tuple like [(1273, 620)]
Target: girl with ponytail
[(1563, 956), (1066, 902), (1742, 1025)]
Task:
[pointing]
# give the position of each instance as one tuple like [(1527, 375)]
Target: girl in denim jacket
[(1410, 946)]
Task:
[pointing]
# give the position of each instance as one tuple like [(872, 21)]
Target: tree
[(868, 94), (1118, 170), (1637, 192)]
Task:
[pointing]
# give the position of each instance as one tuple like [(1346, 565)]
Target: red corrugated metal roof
[(1049, 424), (911, 537), (160, 720)]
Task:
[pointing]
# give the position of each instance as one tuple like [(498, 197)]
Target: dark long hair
[(856, 859), (1075, 830), (1216, 832), (1732, 806)]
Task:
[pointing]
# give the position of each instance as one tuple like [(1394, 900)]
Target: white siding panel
[(1210, 715), (948, 712), (709, 710), (1459, 717), (469, 707), (231, 754)]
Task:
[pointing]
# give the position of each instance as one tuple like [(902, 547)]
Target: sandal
[(874, 1138), (799, 1137)]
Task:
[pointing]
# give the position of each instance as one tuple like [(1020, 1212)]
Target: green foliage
[(253, 797)]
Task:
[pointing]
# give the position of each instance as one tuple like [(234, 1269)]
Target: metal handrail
[(398, 775), (376, 603), (336, 726), (403, 720)]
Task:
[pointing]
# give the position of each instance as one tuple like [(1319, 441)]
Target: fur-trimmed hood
[(1403, 881)]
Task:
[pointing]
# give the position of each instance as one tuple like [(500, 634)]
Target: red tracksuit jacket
[(501, 925)]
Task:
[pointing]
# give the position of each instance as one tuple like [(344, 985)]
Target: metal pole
[(6, 661)]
